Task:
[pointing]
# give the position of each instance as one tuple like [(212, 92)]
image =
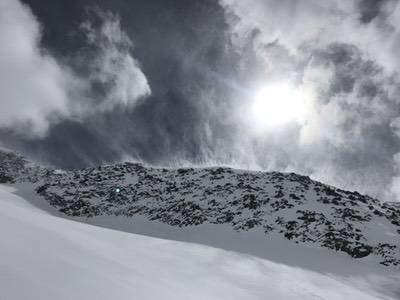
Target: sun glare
[(277, 105)]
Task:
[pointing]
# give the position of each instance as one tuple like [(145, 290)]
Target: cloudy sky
[(308, 86)]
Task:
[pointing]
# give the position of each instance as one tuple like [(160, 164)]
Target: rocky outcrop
[(298, 208)]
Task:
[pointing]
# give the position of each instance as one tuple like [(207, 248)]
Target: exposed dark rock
[(298, 208)]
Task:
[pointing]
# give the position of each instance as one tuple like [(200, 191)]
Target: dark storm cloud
[(181, 53), (370, 9), (203, 61)]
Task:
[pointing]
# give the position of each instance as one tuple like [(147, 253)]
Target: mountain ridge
[(291, 205)]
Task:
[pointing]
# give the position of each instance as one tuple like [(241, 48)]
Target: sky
[(178, 83)]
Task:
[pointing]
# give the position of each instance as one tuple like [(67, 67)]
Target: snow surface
[(44, 256)]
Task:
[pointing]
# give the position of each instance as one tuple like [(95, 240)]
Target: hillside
[(285, 204), (46, 257)]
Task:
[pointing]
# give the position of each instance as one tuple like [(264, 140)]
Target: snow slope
[(267, 203), (43, 256)]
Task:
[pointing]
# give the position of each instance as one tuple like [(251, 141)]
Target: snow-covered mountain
[(284, 204), (44, 257)]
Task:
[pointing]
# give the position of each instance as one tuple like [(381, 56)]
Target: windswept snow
[(47, 257), (265, 203)]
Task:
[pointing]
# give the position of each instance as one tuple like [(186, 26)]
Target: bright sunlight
[(277, 105)]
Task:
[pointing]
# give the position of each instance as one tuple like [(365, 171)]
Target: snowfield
[(196, 204), (44, 256)]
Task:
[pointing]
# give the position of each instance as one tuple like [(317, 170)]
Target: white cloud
[(352, 69), (313, 23), (113, 64), (36, 90), (32, 83)]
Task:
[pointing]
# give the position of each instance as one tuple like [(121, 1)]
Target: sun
[(277, 105)]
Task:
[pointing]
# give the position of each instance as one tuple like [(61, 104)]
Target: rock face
[(298, 208)]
